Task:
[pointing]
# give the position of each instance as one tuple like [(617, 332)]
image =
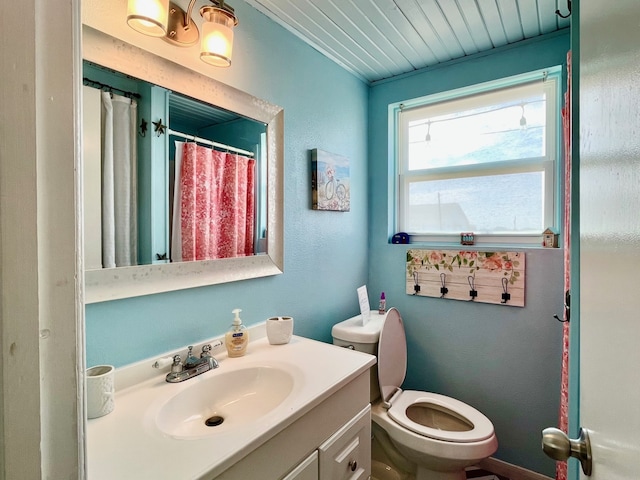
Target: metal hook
[(505, 295), (416, 285), (444, 290), (473, 293), (568, 14), (567, 308)]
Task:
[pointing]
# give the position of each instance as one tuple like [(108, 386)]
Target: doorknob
[(558, 446)]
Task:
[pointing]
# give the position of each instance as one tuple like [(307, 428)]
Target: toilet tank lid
[(352, 330)]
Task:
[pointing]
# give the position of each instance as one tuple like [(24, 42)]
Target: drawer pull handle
[(353, 465)]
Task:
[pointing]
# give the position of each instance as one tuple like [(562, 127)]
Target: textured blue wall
[(325, 252), (505, 361)]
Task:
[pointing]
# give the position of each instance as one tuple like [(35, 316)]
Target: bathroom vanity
[(296, 411)]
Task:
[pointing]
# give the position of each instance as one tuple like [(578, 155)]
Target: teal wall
[(505, 361), (325, 252)]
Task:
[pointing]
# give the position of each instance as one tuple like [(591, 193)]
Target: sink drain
[(214, 421)]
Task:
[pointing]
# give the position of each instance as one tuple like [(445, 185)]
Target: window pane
[(510, 203), (507, 131)]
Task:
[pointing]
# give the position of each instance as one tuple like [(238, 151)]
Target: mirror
[(121, 282), (131, 211)]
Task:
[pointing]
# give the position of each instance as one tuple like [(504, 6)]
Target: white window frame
[(402, 113)]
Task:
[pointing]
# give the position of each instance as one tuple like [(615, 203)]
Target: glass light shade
[(217, 38), (148, 16)]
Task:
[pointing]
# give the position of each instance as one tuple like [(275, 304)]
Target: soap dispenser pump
[(237, 338)]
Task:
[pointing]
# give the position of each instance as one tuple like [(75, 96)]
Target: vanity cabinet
[(331, 441), (345, 455), (320, 431)]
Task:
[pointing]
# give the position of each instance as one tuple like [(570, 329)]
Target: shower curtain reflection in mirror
[(213, 204), (119, 191)]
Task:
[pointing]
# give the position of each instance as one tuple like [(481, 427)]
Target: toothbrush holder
[(100, 390), (279, 330)]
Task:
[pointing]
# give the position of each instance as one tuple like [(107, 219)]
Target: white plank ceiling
[(378, 39)]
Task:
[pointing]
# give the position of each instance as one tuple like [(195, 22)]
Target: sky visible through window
[(498, 203), (508, 131)]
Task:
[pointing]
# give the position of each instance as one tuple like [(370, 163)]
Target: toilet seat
[(479, 427), (392, 367)]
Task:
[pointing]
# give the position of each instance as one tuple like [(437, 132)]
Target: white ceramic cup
[(100, 390), (279, 330)]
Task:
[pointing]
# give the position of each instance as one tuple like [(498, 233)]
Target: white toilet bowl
[(436, 458), (439, 434)]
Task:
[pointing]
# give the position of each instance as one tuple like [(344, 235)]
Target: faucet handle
[(190, 361), (162, 362), (176, 366), (206, 351)]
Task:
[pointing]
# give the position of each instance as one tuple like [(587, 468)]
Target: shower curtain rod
[(103, 86), (210, 143)]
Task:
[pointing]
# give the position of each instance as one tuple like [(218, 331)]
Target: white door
[(610, 235)]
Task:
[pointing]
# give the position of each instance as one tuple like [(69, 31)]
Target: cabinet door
[(306, 470), (347, 453)]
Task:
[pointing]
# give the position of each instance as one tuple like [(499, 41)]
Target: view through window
[(482, 163)]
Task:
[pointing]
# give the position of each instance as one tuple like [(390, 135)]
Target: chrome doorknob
[(558, 446)]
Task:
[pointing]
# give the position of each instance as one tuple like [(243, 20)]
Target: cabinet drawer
[(306, 470), (347, 453)]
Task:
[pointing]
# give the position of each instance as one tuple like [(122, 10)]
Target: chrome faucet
[(192, 365)]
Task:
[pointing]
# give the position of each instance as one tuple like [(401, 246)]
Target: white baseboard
[(513, 472)]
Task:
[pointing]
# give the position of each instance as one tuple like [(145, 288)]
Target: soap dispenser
[(237, 338)]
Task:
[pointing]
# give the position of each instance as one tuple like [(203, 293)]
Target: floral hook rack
[(483, 277)]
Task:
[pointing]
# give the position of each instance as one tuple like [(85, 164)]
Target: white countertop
[(127, 443)]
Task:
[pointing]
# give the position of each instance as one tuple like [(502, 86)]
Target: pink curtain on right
[(215, 204), (563, 424)]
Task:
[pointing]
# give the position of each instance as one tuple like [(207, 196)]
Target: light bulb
[(148, 16), (217, 36)]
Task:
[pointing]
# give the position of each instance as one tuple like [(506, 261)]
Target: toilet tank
[(352, 334)]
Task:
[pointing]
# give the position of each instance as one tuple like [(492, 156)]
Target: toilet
[(416, 435)]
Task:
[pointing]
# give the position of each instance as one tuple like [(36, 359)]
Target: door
[(610, 236)]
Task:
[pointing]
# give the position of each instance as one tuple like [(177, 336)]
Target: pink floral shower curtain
[(563, 424), (214, 204)]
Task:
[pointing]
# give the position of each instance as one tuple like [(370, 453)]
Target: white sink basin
[(221, 401)]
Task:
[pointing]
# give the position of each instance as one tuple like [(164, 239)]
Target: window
[(480, 159)]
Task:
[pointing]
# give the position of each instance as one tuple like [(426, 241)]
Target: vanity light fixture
[(162, 18)]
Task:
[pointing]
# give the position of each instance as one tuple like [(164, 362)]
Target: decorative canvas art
[(331, 189)]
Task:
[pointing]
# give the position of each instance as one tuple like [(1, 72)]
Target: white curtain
[(119, 181), (176, 229)]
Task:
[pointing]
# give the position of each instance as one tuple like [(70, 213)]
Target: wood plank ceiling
[(378, 39)]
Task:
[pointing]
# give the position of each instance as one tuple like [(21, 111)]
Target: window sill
[(482, 246)]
